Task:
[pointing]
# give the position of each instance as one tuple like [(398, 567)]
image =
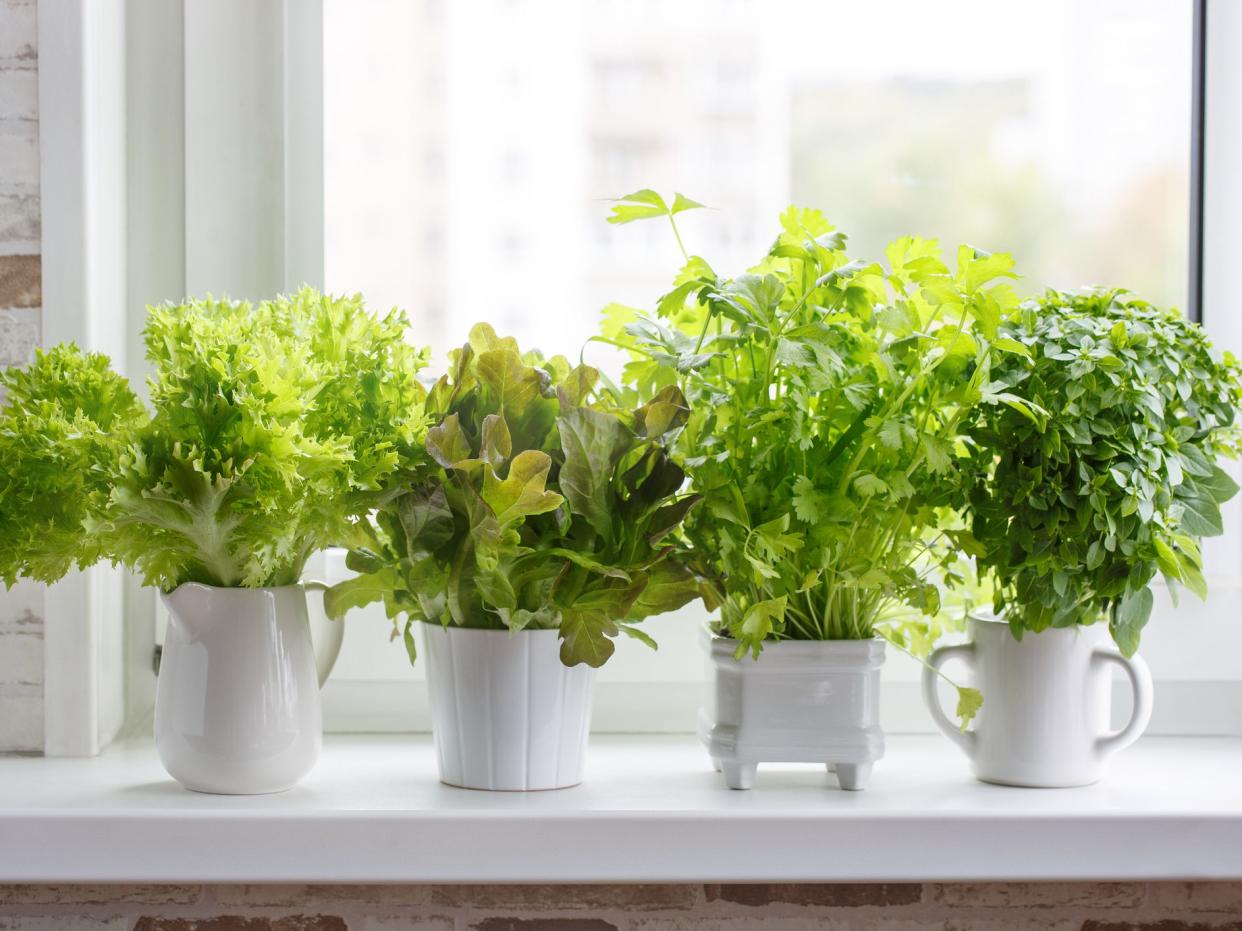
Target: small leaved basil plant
[(828, 397), (271, 429), (1072, 512), (546, 506)]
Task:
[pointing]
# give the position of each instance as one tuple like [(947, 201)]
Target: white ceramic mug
[(237, 703), (1046, 703)]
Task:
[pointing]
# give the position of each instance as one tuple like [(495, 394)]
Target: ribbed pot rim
[(472, 631)]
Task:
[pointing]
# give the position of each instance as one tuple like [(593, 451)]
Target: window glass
[(467, 167), (471, 147)]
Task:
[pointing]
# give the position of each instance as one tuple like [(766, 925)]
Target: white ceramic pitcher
[(1046, 703), (237, 703)]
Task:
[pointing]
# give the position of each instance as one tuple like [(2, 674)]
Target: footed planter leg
[(739, 775), (852, 776)]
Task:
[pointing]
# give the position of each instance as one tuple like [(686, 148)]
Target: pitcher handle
[(1140, 681), (931, 673), (326, 651)]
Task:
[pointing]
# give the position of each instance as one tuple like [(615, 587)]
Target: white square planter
[(801, 701)]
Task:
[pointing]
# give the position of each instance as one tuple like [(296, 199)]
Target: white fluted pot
[(506, 714)]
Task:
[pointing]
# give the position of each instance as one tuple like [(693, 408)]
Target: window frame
[(135, 211), (81, 87), (154, 245), (1187, 705)]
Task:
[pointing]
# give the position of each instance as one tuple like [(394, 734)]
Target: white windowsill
[(651, 810)]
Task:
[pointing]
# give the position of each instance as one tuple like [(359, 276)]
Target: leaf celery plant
[(546, 506), (1072, 514), (271, 429), (827, 397)]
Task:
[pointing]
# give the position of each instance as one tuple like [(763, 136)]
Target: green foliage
[(1074, 510), (66, 417), (827, 397), (272, 429), (644, 204), (969, 701), (546, 507)]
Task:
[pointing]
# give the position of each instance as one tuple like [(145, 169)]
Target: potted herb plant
[(827, 396), (270, 430), (538, 534), (1074, 511)]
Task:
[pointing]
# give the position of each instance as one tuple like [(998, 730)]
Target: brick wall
[(21, 609), (857, 907)]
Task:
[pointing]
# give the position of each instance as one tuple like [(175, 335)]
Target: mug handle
[(931, 673), (1140, 681), (327, 651)]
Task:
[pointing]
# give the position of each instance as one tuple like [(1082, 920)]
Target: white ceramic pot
[(506, 714), (1047, 700), (237, 703), (801, 701)]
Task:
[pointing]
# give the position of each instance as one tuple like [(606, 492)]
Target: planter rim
[(987, 616), (237, 588), (458, 629), (796, 644), (781, 656)]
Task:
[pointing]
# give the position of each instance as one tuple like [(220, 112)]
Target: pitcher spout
[(187, 600)]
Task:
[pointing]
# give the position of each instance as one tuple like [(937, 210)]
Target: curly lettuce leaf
[(62, 431), (273, 430)]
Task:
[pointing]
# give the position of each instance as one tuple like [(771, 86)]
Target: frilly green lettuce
[(272, 429)]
